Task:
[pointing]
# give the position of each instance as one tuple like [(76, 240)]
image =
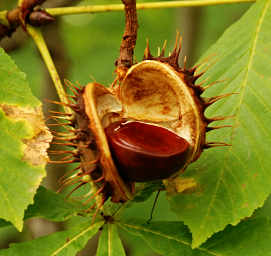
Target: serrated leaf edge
[(195, 244)]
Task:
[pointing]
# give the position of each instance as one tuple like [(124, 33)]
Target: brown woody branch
[(5, 31), (129, 37), (30, 4), (25, 13)]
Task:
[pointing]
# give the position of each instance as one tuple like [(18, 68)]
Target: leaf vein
[(74, 238), (168, 237)]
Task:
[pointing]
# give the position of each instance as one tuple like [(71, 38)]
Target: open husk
[(155, 91)]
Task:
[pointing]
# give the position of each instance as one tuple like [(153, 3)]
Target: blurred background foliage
[(85, 48)]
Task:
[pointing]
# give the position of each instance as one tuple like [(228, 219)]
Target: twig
[(24, 13), (153, 5), (129, 37), (26, 7), (7, 31), (30, 4)]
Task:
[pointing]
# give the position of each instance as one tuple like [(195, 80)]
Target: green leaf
[(234, 181), (250, 238), (109, 242), (14, 89), (51, 206), (265, 211), (136, 246), (165, 238), (66, 243), (213, 22), (145, 190), (24, 140)]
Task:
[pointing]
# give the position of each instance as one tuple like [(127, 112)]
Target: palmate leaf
[(234, 181), (250, 237), (109, 242), (24, 139), (64, 243)]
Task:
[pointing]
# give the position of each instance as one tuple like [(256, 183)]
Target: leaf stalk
[(37, 36)]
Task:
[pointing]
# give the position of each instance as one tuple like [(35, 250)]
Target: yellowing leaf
[(24, 140)]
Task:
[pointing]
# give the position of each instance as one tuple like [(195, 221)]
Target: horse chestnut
[(150, 127), (144, 152)]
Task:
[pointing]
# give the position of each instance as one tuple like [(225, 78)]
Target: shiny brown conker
[(145, 152)]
